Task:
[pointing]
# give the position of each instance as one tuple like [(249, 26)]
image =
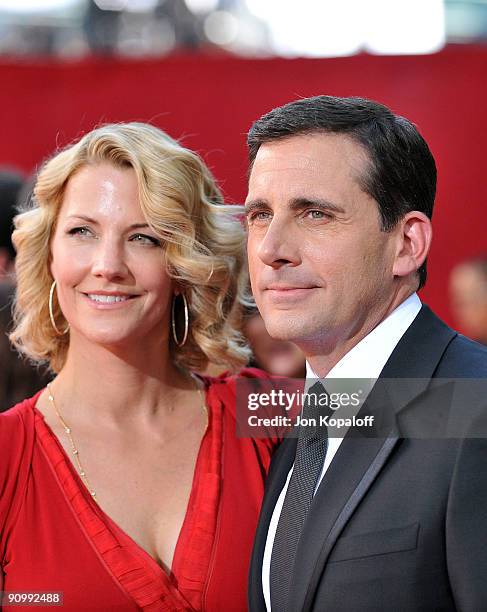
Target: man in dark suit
[(341, 194)]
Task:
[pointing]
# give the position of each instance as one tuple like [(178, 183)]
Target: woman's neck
[(143, 381)]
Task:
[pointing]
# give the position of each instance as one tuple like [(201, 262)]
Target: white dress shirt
[(366, 361)]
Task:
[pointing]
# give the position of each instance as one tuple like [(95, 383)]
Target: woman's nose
[(109, 260)]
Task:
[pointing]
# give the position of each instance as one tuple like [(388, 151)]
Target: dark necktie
[(308, 463)]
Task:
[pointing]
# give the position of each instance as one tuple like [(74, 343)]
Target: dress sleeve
[(16, 444)]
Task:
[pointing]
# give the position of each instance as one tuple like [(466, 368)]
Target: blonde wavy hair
[(203, 239)]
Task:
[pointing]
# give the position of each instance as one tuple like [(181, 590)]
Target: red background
[(210, 101)]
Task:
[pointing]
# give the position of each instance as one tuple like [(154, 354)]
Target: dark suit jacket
[(398, 523)]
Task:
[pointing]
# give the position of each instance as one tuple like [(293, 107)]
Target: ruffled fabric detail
[(137, 573), (192, 563)]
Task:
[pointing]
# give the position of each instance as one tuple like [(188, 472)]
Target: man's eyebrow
[(255, 205), (297, 204), (95, 222), (303, 203)]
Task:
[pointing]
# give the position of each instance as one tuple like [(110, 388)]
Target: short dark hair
[(402, 173)]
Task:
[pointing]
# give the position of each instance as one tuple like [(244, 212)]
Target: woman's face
[(110, 267)]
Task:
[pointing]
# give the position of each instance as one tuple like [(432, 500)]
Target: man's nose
[(280, 246), (109, 260)]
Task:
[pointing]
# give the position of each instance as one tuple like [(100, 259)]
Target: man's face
[(320, 266)]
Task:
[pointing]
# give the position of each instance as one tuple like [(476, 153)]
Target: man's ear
[(414, 233)]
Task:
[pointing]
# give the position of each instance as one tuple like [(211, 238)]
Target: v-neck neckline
[(138, 573)]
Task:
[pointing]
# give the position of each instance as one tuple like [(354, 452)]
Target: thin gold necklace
[(74, 448)]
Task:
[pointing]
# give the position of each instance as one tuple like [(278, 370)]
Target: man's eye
[(316, 214), (259, 216), (144, 239)]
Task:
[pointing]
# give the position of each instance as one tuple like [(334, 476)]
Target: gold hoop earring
[(186, 320), (51, 312)]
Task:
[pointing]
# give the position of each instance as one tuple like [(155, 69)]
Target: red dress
[(54, 537)]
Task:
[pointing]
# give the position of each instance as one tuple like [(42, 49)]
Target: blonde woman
[(123, 485)]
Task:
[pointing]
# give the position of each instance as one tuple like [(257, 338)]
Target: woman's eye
[(80, 231), (144, 239)]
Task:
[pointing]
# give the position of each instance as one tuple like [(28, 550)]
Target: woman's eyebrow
[(95, 222)]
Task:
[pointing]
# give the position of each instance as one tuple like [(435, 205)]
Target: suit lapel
[(359, 460)]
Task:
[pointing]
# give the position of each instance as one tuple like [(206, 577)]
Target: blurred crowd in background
[(319, 28), (18, 378)]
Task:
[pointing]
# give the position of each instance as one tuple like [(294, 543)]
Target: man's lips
[(282, 287), (288, 286), (286, 293)]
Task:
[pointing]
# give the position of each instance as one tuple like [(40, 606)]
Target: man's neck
[(323, 362)]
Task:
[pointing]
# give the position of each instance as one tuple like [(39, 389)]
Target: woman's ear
[(50, 265), (414, 241)]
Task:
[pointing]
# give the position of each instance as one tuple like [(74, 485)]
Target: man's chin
[(281, 328)]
